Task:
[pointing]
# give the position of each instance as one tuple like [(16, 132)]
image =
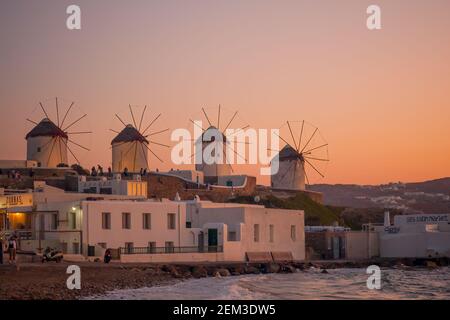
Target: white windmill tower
[(215, 165), (131, 145), (294, 158), (48, 142)]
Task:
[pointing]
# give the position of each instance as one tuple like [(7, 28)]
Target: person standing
[(1, 250), (12, 249)]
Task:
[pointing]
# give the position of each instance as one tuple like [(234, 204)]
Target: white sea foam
[(337, 284)]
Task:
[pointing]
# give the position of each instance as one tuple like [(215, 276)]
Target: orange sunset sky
[(380, 98)]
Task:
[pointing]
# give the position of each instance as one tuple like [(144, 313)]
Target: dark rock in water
[(324, 271), (271, 268), (252, 270), (239, 269), (287, 268), (199, 272), (432, 265), (224, 272)]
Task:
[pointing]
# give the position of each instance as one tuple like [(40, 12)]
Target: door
[(201, 241), (336, 248), (212, 240)]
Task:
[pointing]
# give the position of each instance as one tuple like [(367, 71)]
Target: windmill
[(48, 142), (212, 169), (301, 158), (131, 145)]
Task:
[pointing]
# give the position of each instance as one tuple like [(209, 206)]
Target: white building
[(214, 161), (291, 170), (47, 144), (116, 186), (416, 236), (129, 151), (156, 231), (145, 230)]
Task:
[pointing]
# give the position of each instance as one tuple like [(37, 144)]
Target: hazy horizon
[(380, 98)]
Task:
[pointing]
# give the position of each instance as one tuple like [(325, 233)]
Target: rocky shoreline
[(48, 281)]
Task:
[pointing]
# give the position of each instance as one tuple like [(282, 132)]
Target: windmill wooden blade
[(142, 118), (283, 140), (51, 150), (67, 112), (132, 116), (287, 171), (243, 158), (314, 168), (60, 151), (79, 132), (145, 156), (300, 137), (57, 111), (129, 149), (117, 116), (135, 155), (159, 144), (154, 120), (229, 123), (157, 132), (77, 144), (306, 176), (206, 116), (324, 145), (238, 130), (71, 152), (43, 109), (218, 119), (75, 122), (32, 121), (152, 152), (318, 159), (292, 135), (309, 140), (196, 124)]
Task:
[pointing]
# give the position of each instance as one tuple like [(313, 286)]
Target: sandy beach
[(48, 281)]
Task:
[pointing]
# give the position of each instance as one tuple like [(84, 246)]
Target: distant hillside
[(419, 197), (315, 213)]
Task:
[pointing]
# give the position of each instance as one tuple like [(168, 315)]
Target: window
[(256, 232), (106, 220), (171, 221), (75, 248), (54, 221), (271, 232), (188, 224), (126, 220), (169, 247), (38, 149), (231, 235), (146, 221), (129, 247), (152, 247), (102, 245), (72, 220), (293, 233)]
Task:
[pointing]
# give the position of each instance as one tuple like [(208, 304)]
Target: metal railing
[(168, 250)]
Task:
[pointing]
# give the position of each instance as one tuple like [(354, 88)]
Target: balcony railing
[(168, 250)]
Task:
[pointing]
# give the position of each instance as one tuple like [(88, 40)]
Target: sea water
[(417, 283)]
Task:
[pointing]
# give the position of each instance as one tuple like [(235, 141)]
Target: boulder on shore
[(272, 267), (199, 272), (252, 270)]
